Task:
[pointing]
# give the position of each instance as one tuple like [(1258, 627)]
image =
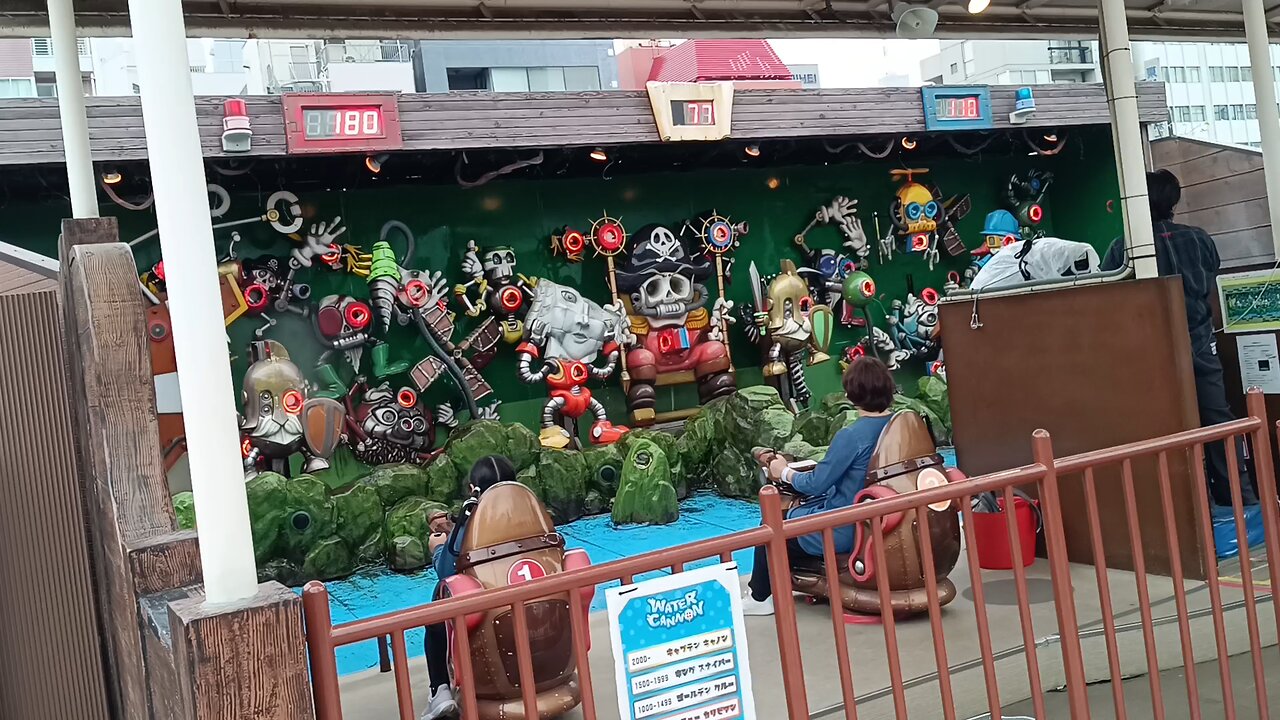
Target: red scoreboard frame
[(384, 134)]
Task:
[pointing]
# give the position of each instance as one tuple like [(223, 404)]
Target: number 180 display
[(326, 123)]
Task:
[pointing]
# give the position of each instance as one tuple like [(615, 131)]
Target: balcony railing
[(365, 52), (1070, 56)]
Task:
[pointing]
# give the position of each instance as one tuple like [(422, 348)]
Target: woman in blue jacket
[(839, 477)]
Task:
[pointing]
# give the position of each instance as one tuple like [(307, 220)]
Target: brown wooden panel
[(1068, 362), (165, 562), (50, 656)]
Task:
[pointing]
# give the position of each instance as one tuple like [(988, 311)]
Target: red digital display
[(345, 122), (693, 112), (320, 123), (958, 108)]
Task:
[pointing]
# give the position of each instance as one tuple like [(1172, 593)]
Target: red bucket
[(992, 536)]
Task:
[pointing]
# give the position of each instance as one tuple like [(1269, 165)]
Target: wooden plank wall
[(51, 653), (29, 129), (1224, 192), (15, 280)]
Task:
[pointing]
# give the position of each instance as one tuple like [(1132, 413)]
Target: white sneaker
[(442, 704), (757, 608)]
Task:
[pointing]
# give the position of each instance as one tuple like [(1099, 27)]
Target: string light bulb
[(752, 150), (909, 143), (111, 176), (599, 155), (977, 6)]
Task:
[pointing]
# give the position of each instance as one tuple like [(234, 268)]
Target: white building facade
[(1208, 85)]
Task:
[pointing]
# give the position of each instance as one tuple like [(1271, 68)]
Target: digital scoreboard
[(335, 123), (957, 107), (693, 112)]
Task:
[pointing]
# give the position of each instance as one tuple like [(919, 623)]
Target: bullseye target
[(510, 298), (608, 235), (718, 235), (931, 477)]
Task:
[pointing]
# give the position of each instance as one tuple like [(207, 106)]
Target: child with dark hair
[(1188, 251), (445, 545), (833, 484)]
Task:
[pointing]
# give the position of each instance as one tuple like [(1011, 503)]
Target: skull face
[(343, 319), (917, 210), (789, 305), (663, 242), (499, 264), (395, 417), (667, 298), (576, 328)]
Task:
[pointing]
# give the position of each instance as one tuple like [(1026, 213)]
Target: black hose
[(454, 371)]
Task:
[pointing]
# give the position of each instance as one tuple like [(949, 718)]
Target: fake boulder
[(473, 441), (443, 481), (604, 469), (308, 517), (669, 445), (359, 515), (559, 479), (184, 510), (396, 482), (328, 559), (646, 494), (407, 524)]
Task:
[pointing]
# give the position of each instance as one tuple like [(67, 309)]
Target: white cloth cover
[(1050, 258)]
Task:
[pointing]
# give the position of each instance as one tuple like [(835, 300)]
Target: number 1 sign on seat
[(680, 647)]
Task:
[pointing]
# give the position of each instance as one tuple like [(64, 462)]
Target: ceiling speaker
[(915, 21)]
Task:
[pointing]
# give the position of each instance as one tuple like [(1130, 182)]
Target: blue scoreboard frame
[(931, 94)]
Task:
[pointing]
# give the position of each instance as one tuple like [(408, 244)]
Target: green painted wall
[(523, 213)]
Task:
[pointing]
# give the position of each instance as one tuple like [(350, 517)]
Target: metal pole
[(75, 126), (1264, 93), (1122, 99), (195, 302)]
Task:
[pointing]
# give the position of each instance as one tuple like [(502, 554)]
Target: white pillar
[(195, 303), (1126, 132), (75, 128), (1264, 93)]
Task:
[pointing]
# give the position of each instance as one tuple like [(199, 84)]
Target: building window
[(1221, 112), (1246, 74), (1217, 74), (955, 68), (1233, 74), (17, 87), (46, 89), (543, 79), (1237, 112), (1193, 74), (1198, 113), (582, 78), (468, 78), (1251, 112)]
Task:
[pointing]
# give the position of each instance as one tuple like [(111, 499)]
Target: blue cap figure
[(1000, 229)]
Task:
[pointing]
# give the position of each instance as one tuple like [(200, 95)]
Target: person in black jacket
[(1189, 251)]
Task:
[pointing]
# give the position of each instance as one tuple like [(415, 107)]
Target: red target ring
[(574, 242), (358, 315), (929, 296), (1036, 213), (256, 296), (510, 298), (416, 292), (868, 288), (578, 372), (407, 398), (331, 255), (610, 237), (291, 401)]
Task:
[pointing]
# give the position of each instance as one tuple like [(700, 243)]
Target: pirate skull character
[(565, 333), (669, 320)]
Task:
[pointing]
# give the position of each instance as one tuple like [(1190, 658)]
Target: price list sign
[(680, 648)]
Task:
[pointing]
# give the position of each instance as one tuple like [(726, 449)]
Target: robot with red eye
[(499, 289), (343, 325), (386, 426), (279, 420), (913, 326)]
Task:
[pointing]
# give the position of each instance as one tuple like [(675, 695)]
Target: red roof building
[(748, 63)]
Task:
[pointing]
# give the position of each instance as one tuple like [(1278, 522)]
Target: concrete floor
[(371, 695)]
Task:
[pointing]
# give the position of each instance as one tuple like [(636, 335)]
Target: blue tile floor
[(702, 516)]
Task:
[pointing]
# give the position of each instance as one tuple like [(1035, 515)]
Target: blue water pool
[(702, 516)]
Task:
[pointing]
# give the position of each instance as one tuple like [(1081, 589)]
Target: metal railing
[(1070, 56), (375, 51), (1045, 473)]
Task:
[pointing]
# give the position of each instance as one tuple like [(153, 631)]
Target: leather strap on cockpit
[(508, 549), (902, 468)]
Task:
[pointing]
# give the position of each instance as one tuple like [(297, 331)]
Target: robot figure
[(1025, 195), (913, 326), (391, 427), (565, 332), (343, 325), (999, 231), (500, 289), (279, 420), (921, 217), (832, 266), (674, 331), (787, 323)]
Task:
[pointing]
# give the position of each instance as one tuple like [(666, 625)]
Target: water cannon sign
[(680, 648)]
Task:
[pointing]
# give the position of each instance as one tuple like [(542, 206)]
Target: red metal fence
[(1045, 474)]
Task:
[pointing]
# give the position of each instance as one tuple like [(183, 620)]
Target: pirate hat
[(658, 250)]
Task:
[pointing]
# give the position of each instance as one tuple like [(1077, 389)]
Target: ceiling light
[(909, 143), (599, 155), (773, 183), (977, 6), (374, 162), (111, 176), (752, 150), (1051, 137)]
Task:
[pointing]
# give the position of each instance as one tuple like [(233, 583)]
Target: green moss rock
[(669, 445), (560, 481), (396, 482), (757, 418), (410, 517), (282, 571), (443, 480), (473, 441), (372, 550), (646, 493), (735, 474), (695, 447), (407, 553), (604, 470), (522, 446), (801, 450), (267, 500), (308, 516), (329, 558), (812, 426), (359, 515), (184, 509)]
